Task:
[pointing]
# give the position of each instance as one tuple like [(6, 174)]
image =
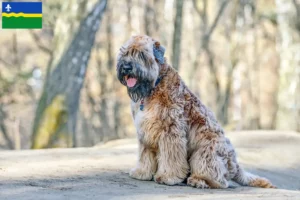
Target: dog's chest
[(138, 119), (144, 120), (138, 115)]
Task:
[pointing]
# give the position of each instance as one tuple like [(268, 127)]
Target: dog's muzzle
[(126, 69), (126, 75)]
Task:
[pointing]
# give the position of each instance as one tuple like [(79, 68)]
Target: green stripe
[(22, 22)]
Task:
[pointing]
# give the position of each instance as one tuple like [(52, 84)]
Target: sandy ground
[(101, 172)]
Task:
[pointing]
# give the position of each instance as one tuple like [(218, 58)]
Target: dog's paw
[(261, 182), (140, 174), (168, 180), (197, 183)]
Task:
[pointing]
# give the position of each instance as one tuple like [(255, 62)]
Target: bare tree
[(106, 72), (56, 114), (250, 107), (151, 18), (13, 63), (3, 128), (288, 18), (129, 20), (222, 100), (177, 34)]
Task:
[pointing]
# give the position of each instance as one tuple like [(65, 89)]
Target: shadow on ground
[(101, 173)]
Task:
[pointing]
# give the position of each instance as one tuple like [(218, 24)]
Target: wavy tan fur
[(179, 137)]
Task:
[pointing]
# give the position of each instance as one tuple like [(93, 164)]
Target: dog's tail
[(247, 179)]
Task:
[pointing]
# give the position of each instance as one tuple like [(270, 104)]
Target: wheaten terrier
[(179, 138)]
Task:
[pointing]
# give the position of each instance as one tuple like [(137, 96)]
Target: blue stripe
[(25, 7)]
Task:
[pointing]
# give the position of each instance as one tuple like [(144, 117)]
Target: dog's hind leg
[(237, 174), (207, 169), (146, 165)]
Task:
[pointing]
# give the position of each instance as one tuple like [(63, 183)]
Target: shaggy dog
[(179, 138)]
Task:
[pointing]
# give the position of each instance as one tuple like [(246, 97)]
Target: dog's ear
[(159, 52)]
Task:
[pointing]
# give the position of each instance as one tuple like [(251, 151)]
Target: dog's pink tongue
[(131, 82)]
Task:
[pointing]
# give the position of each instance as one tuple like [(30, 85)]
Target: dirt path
[(102, 172)]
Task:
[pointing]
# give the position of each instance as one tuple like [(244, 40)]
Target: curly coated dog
[(179, 137)]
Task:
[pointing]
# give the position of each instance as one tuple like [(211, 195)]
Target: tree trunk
[(151, 18), (288, 18), (3, 129), (221, 98), (56, 114), (65, 27), (129, 20), (253, 108), (177, 35), (250, 83)]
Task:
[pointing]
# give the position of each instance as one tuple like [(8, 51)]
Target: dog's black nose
[(127, 68)]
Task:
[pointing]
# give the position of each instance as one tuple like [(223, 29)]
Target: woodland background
[(58, 85)]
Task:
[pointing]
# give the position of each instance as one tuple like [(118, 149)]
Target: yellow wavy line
[(21, 15)]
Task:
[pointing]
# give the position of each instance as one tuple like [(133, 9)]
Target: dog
[(179, 137)]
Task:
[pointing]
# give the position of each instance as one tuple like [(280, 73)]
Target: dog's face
[(137, 66)]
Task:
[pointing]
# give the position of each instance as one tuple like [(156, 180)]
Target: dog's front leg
[(172, 159), (146, 165)]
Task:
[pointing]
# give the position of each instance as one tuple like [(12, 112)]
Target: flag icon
[(26, 15)]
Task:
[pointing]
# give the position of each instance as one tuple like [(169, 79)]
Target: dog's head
[(138, 65)]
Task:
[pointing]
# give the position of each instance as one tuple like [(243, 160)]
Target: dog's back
[(177, 134)]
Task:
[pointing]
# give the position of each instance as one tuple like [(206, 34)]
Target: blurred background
[(58, 85)]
